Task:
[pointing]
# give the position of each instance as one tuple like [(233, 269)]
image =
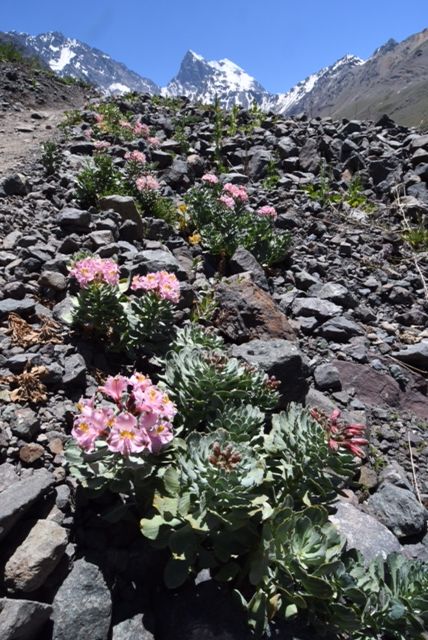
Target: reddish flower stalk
[(348, 436)]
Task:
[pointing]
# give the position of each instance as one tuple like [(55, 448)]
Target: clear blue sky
[(279, 42)]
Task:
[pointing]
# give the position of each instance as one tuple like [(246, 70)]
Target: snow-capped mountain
[(70, 57), (207, 80), (293, 101), (394, 80)]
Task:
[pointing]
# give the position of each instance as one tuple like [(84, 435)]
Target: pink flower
[(125, 436), (88, 134), (135, 422), (164, 284), (147, 183), (114, 387), (160, 434), (125, 124), (85, 434), (101, 144), (139, 381), (142, 130), (235, 191), (99, 117), (209, 178), (95, 270), (154, 142), (267, 212), (228, 201), (136, 156), (150, 282), (169, 287)]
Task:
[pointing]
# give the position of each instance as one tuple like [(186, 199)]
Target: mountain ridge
[(393, 80)]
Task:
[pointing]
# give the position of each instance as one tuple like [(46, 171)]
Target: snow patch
[(64, 59), (118, 87)]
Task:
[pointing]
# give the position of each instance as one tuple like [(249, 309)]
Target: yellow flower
[(182, 208), (195, 238)]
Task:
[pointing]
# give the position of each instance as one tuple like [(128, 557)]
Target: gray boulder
[(126, 208), (363, 532), (398, 509), (82, 606), (36, 557), (22, 619), (18, 498)]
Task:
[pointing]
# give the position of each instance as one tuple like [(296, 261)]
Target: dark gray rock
[(257, 167), (394, 473), (242, 260), (363, 532), (74, 220), (82, 606), (22, 619), (279, 358), (158, 260), (16, 185), (53, 280), (309, 157), (17, 499), (75, 370), (337, 293), (127, 209), (316, 308), (415, 354), (131, 629), (287, 148), (36, 557), (23, 307), (26, 423), (340, 329), (398, 510), (327, 377)]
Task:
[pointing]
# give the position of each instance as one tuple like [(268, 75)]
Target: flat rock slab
[(376, 389), (22, 619), (82, 606), (363, 532), (246, 312), (36, 557), (19, 497)]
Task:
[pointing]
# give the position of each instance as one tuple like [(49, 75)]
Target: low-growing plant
[(99, 178), (125, 321), (121, 434), (51, 157), (220, 215), (191, 371), (272, 176), (417, 237), (355, 196)]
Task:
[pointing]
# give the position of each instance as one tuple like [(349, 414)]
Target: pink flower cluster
[(136, 156), (126, 125), (138, 418), (147, 183), (165, 285), (141, 129), (228, 201), (154, 141), (95, 270), (236, 192), (101, 145), (209, 178), (348, 436), (267, 212)]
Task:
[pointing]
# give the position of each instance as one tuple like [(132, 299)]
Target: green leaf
[(171, 480), (290, 611), (150, 526), (176, 573)]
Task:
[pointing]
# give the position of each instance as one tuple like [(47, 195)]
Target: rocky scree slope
[(343, 323)]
